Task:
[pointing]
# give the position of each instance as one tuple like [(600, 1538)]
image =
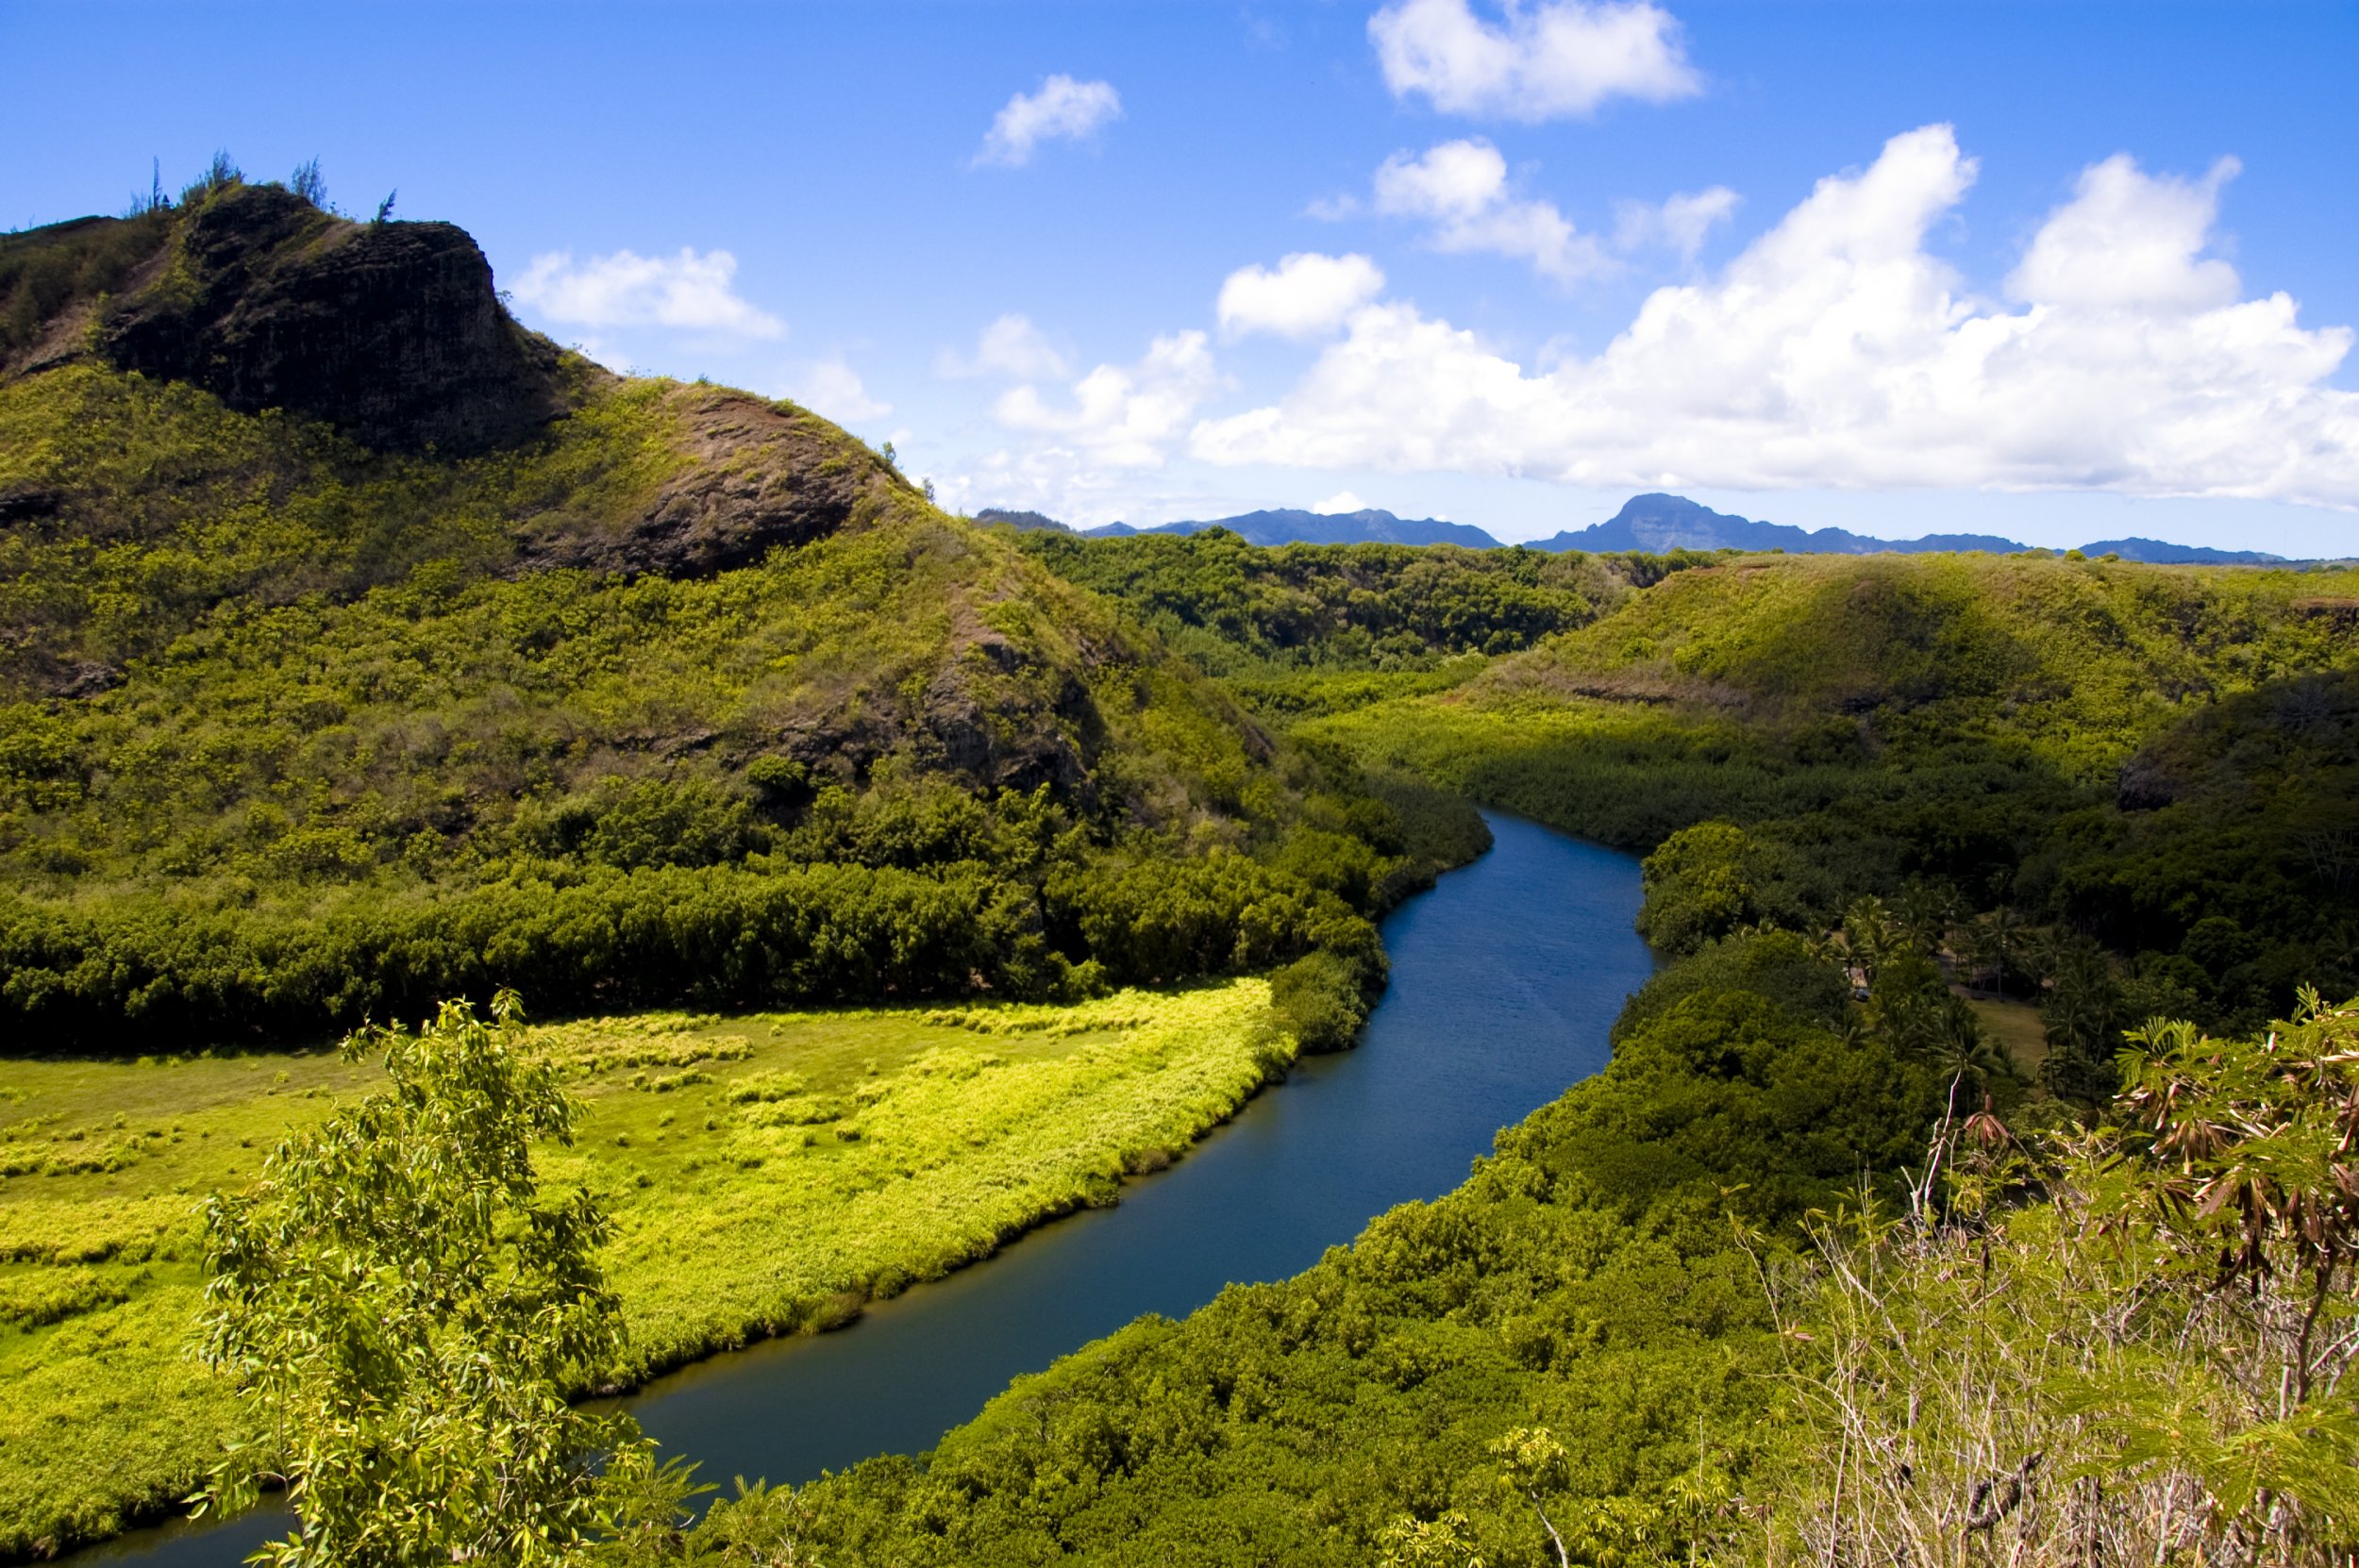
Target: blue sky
[(1901, 268)]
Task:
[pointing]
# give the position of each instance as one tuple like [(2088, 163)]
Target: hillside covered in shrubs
[(326, 700), (1819, 1268), (1974, 1183)]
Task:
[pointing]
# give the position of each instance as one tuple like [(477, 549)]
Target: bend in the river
[(1505, 979)]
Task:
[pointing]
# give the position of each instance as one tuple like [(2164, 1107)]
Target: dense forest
[(1759, 1292), (1809, 1272), (1305, 629), (1974, 1182), (2151, 768), (684, 696)]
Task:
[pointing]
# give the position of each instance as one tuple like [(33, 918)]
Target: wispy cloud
[(832, 388), (1678, 222), (1062, 109), (1124, 415), (1536, 62), (1461, 189), (1010, 346)]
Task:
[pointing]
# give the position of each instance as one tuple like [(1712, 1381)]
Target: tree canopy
[(409, 1309)]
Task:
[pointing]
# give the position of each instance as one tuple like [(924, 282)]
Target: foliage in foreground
[(2130, 1344), (2146, 1361), (827, 1158), (407, 1312)]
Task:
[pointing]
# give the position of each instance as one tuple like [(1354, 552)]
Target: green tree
[(407, 1312), (2083, 1019), (1698, 888), (1873, 937), (1534, 1464), (1991, 948), (2131, 1344), (2253, 1141), (1446, 1541), (308, 183), (1924, 912)]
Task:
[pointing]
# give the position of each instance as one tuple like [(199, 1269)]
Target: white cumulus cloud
[(1304, 296), (1340, 504), (833, 388), (1010, 346), (1061, 109), (691, 291), (1128, 416), (2130, 238), (1836, 351), (1536, 62), (1461, 189)]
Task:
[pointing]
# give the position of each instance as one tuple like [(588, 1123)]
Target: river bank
[(1506, 978)]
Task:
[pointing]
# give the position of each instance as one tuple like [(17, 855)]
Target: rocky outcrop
[(391, 332), (999, 715), (760, 474)]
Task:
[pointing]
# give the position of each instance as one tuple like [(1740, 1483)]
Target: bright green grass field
[(766, 1172)]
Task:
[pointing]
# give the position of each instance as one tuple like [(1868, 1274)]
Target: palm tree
[(1923, 913), (2082, 1018), (1992, 944), (1871, 936)]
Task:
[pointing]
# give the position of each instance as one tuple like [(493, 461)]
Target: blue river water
[(1505, 979)]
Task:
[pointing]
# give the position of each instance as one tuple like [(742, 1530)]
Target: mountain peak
[(391, 332), (1651, 523), (2156, 552), (1656, 522)]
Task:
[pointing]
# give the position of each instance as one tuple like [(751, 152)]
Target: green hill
[(1301, 630), (1767, 1286), (2083, 657), (2159, 759), (360, 648), (325, 699)]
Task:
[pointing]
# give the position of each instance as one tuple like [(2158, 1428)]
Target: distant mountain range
[(1653, 522), (1285, 525), (2156, 552), (1658, 523)]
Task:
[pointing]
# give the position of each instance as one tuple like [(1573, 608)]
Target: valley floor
[(767, 1173)]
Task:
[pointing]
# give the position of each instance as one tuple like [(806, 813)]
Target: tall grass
[(767, 1173)]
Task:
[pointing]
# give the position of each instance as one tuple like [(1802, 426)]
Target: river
[(1505, 979)]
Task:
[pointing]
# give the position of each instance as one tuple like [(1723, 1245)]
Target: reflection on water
[(1505, 978)]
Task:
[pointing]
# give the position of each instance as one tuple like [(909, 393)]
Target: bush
[(1706, 882), (1775, 964), (1323, 998)]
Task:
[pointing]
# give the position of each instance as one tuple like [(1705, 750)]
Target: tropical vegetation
[(1975, 1181), (686, 698), (827, 1158)]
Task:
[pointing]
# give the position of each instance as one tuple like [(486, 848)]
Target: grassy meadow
[(767, 1174)]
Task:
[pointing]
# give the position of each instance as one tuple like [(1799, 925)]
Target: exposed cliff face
[(761, 475), (391, 332), (393, 335)]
